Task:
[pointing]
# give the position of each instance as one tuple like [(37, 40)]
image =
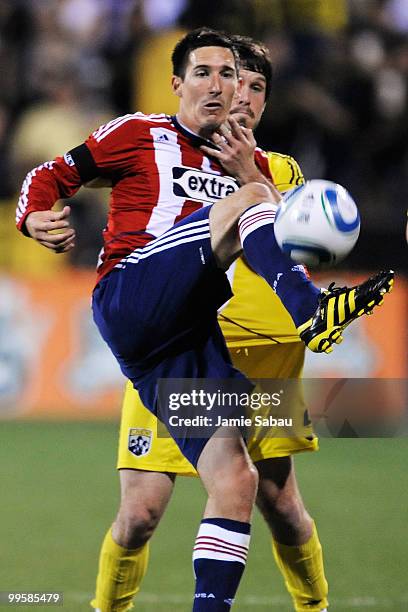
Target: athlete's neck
[(205, 135)]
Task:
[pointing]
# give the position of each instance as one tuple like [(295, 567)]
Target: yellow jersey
[(255, 315)]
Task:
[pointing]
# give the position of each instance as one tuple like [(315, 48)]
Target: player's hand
[(42, 224), (236, 147)]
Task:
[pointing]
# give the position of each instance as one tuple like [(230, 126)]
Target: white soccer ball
[(317, 224)]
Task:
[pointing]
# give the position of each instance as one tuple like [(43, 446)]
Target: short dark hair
[(254, 56), (201, 37)]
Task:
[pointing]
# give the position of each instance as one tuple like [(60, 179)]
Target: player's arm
[(42, 187), (104, 153), (236, 148)]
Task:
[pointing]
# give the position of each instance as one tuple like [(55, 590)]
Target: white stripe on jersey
[(167, 154), (113, 125), (100, 258), (23, 200), (206, 166), (108, 125)]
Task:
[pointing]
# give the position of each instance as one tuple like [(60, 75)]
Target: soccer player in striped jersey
[(263, 343), (161, 277)]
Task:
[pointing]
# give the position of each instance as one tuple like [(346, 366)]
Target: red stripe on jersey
[(125, 148), (131, 204), (192, 158), (261, 160)]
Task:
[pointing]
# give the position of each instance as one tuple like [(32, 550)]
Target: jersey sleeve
[(262, 161), (112, 147), (285, 171), (106, 153), (43, 186)]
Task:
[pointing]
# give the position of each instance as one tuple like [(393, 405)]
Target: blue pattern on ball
[(341, 224)]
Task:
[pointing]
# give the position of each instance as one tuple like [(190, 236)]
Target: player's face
[(207, 90), (249, 101)]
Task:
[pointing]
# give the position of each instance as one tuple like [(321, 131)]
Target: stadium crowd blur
[(339, 103)]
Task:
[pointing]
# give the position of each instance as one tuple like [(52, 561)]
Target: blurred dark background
[(339, 103)]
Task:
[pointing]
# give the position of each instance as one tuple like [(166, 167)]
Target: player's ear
[(176, 85)]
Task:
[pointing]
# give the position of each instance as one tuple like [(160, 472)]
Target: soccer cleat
[(339, 306)]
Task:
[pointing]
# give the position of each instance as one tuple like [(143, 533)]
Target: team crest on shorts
[(140, 441)]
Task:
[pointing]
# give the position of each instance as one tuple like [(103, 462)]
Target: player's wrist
[(259, 178), (25, 226), (252, 175)]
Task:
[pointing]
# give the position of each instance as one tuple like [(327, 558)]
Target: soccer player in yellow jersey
[(263, 343)]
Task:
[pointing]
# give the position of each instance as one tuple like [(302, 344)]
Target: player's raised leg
[(221, 546), (290, 282), (295, 542), (125, 550), (237, 224)]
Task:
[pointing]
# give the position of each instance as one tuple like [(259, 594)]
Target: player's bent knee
[(243, 488), (237, 492), (285, 507), (249, 195), (225, 214), (255, 193), (135, 524), (248, 481)]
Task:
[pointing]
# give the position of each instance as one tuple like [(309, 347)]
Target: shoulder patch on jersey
[(68, 159), (139, 441)]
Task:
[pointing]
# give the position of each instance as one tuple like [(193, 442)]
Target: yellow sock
[(303, 571), (121, 570)]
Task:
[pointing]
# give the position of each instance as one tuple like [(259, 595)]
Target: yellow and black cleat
[(339, 306)]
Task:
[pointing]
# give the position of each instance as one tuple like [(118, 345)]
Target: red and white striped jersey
[(158, 175)]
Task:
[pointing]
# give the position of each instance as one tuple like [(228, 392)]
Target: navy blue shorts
[(157, 311)]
